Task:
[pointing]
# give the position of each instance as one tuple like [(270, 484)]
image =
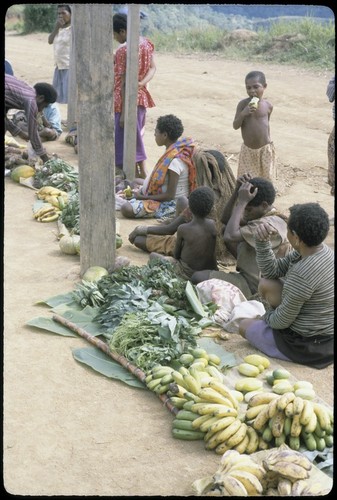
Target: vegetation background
[(285, 34)]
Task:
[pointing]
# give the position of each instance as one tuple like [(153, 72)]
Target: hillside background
[(302, 35)]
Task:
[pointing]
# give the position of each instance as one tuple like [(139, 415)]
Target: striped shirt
[(307, 305), (20, 95)]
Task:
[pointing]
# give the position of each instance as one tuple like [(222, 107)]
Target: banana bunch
[(253, 365), (289, 469), (54, 196), (208, 408), (47, 213), (289, 419), (237, 475)]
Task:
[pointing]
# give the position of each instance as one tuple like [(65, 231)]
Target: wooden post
[(131, 92), (72, 87), (95, 121)]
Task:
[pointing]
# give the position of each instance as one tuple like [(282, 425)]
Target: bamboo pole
[(103, 346)]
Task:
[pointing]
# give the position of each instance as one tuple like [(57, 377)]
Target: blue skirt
[(119, 138), (60, 84)]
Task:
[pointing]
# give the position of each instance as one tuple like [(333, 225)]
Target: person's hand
[(263, 231), (23, 135), (242, 179), (44, 158), (245, 193), (138, 231)]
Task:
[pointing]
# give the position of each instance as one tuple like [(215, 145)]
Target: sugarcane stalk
[(122, 360)]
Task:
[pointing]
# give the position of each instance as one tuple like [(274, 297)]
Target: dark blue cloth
[(8, 68)]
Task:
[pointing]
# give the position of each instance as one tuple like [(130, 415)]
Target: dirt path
[(67, 430)]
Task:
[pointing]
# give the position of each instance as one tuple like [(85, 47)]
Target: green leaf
[(65, 298), (103, 364), (82, 318), (50, 325)]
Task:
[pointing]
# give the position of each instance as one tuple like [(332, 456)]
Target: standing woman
[(61, 39), (146, 71)]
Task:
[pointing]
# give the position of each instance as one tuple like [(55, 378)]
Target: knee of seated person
[(126, 210), (199, 276), (181, 204), (263, 286)]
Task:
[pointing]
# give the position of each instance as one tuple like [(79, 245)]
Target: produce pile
[(149, 314), (56, 186), (17, 155), (278, 472), (210, 408)]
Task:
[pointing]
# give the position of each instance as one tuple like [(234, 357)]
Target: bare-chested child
[(196, 240), (257, 154)]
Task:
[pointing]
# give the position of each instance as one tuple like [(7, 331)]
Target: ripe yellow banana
[(296, 427), (249, 481), (226, 393), (44, 210), (221, 449), (311, 425), (307, 412), (253, 440), (278, 423), (192, 384), (291, 456), (241, 447), (253, 412), (233, 459), (211, 395), (322, 415), (179, 379), (284, 487), (298, 405), (201, 419), (221, 423), (205, 426), (298, 488), (261, 419), (215, 373), (262, 398), (238, 436), (52, 200), (249, 466), (289, 410), (234, 487), (288, 470), (285, 399), (223, 435), (50, 217)]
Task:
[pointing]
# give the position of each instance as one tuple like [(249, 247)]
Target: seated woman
[(173, 176), (299, 326)]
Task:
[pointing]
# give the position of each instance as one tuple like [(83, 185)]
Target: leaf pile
[(152, 337), (145, 312), (58, 173)]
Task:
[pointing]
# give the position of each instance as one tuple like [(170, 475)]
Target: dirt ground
[(68, 430)]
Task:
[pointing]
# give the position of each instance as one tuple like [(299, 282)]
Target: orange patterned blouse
[(146, 49)]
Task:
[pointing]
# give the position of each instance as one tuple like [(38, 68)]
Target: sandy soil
[(68, 430)]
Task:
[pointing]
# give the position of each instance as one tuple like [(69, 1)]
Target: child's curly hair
[(310, 222), (171, 125), (201, 201)]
